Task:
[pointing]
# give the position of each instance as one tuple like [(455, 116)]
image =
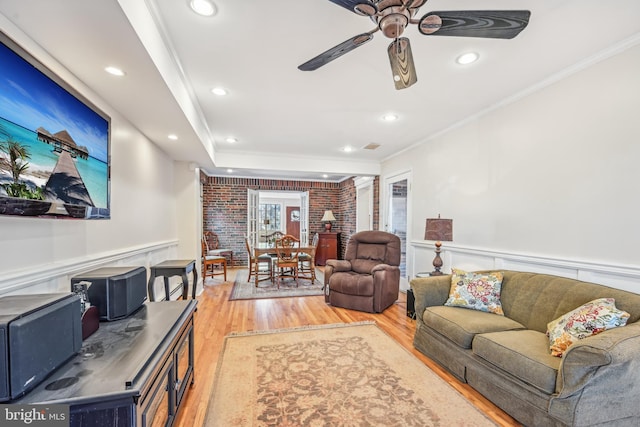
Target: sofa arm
[(599, 378), (430, 291)]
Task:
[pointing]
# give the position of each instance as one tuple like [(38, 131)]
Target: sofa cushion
[(352, 283), (523, 354), (476, 291), (589, 319), (461, 325)]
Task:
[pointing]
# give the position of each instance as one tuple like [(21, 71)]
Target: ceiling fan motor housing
[(393, 17)]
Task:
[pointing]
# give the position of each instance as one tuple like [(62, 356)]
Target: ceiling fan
[(393, 16)]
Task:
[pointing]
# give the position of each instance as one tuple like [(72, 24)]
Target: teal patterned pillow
[(589, 319), (476, 291)]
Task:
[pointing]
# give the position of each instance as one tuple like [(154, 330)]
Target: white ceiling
[(291, 123)]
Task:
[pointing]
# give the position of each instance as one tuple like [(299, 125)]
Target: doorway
[(364, 203), (271, 211), (293, 221), (397, 217)]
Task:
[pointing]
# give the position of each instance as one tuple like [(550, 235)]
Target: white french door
[(253, 206), (304, 218)]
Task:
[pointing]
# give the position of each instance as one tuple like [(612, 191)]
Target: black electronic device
[(38, 333), (411, 304), (116, 291)]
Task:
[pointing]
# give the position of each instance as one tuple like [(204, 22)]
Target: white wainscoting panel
[(56, 277), (421, 254)]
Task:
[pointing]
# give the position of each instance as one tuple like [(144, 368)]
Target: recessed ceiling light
[(172, 137), (114, 71), (390, 117), (347, 149), (231, 140), (467, 58), (220, 91), (203, 7), (229, 170), (325, 176)]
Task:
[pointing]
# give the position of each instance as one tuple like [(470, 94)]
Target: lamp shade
[(328, 216), (439, 229)]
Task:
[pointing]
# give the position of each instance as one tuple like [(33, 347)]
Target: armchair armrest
[(332, 266), (430, 291), (339, 265), (384, 267)]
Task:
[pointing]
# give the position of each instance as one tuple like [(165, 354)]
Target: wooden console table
[(169, 268), (130, 372)]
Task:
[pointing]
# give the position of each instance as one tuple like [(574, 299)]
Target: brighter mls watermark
[(34, 415)]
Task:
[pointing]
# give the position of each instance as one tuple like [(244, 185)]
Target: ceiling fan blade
[(496, 24), (402, 66), (336, 52), (361, 7)]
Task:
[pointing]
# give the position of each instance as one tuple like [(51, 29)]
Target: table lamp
[(327, 218), (440, 230)]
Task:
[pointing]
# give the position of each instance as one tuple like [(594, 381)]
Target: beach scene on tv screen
[(53, 147)]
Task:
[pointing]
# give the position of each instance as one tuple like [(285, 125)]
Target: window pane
[(270, 216)]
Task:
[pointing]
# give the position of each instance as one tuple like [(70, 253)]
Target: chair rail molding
[(56, 276), (470, 258)]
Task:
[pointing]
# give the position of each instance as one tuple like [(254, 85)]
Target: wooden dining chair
[(307, 269), (287, 261), (213, 243), (271, 238), (255, 271), (209, 262)]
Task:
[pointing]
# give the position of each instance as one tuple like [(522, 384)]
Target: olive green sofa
[(507, 358)]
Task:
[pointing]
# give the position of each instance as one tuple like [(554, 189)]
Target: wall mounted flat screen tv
[(54, 144)]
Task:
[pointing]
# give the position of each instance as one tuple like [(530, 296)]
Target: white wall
[(40, 255), (554, 174)]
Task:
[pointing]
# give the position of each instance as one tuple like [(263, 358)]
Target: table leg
[(150, 288), (195, 281), (166, 289), (185, 285)]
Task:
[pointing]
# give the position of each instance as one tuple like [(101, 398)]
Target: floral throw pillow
[(589, 319), (476, 291)]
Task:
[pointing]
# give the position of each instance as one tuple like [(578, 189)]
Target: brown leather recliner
[(368, 279)]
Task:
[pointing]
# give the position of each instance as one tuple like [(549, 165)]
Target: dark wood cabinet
[(132, 372), (328, 247)]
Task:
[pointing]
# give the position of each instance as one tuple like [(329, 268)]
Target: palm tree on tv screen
[(15, 162)]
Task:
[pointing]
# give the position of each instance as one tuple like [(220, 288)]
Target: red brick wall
[(224, 207), (347, 210)]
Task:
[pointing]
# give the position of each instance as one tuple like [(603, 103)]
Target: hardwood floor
[(217, 316)]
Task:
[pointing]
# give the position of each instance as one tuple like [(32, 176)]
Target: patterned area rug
[(266, 289), (337, 375)]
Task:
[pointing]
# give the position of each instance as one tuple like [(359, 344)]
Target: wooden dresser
[(328, 247)]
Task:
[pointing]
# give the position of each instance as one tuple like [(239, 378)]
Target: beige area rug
[(267, 289), (332, 375)]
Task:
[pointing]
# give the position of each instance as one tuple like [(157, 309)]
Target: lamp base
[(327, 227), (437, 261)]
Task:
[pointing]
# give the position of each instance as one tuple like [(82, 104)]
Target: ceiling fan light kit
[(393, 16)]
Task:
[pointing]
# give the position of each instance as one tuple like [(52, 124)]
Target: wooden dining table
[(269, 249)]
